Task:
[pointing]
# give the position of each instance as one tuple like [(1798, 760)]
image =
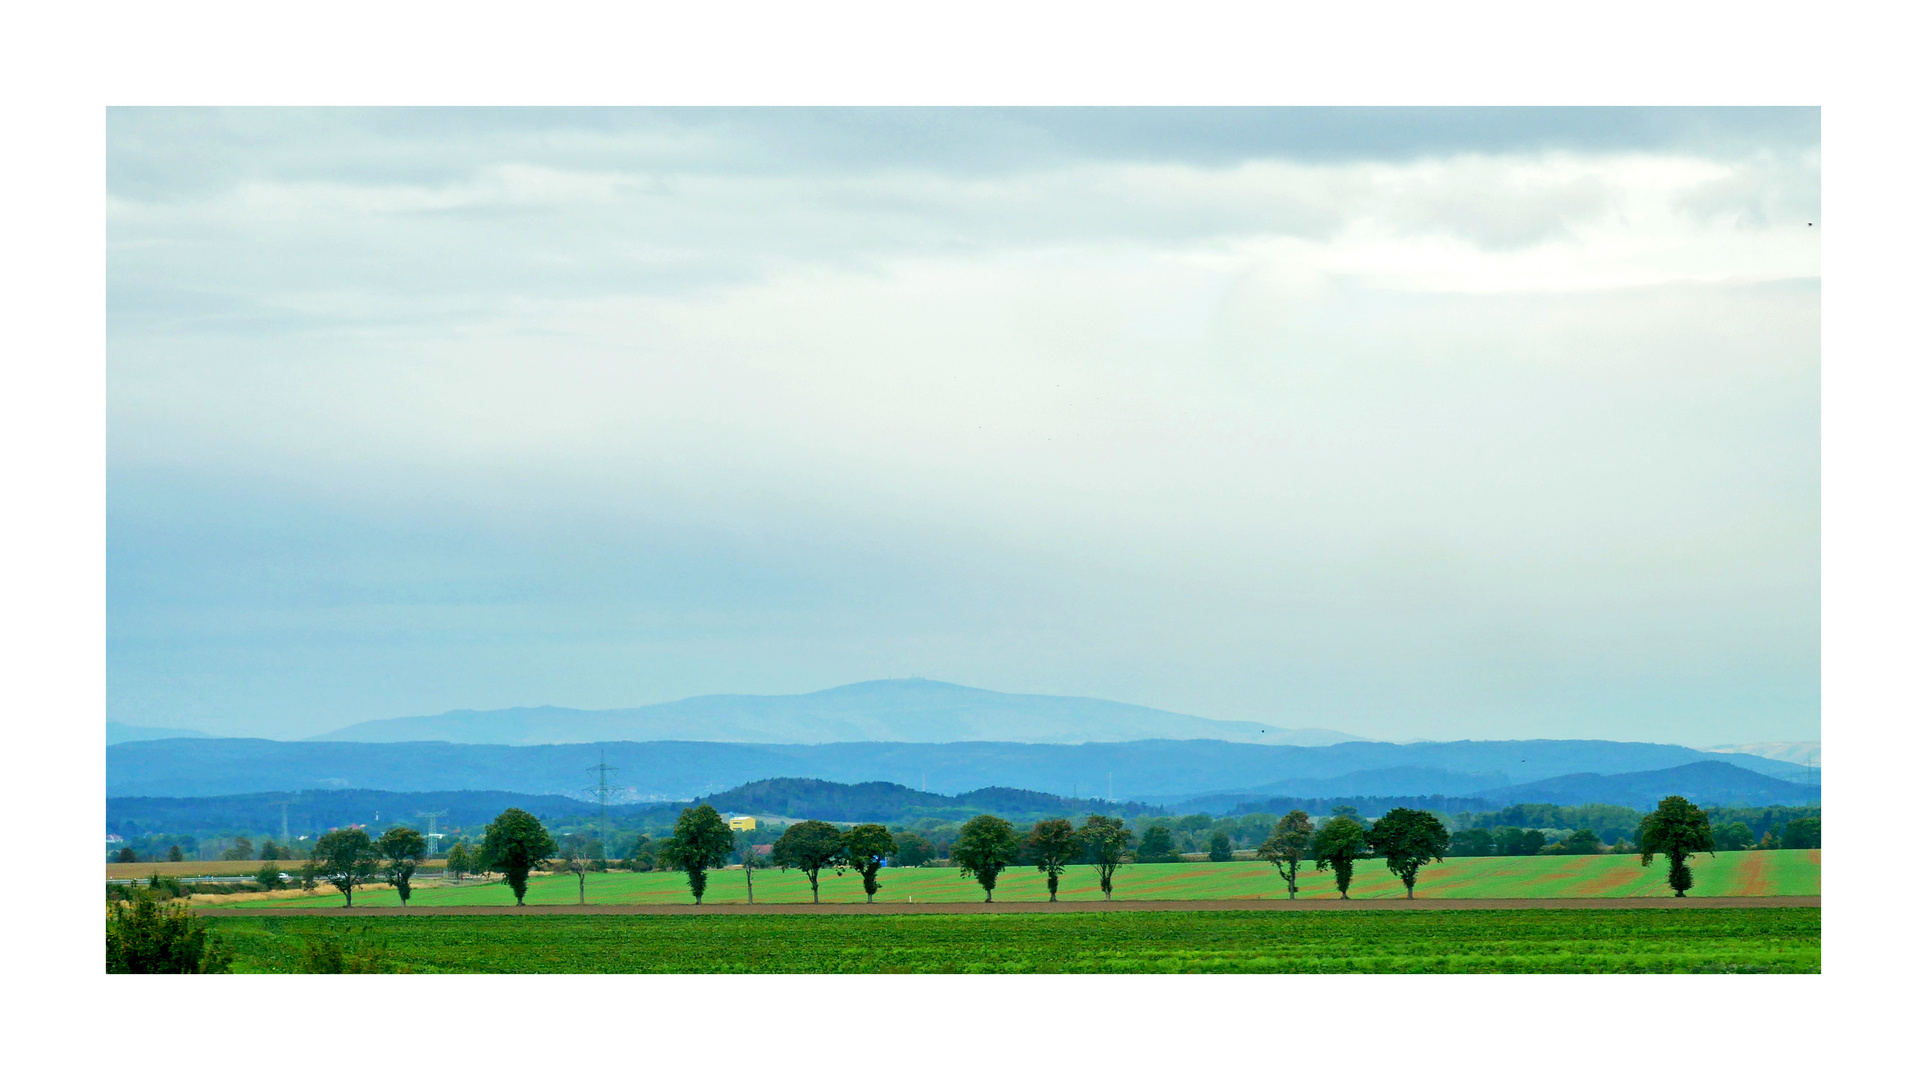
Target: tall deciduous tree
[(1339, 844), (701, 842), (812, 847), (984, 846), (1051, 845), (515, 843), (865, 848), (346, 859), (1801, 833), (457, 863), (402, 850), (1106, 841), (1157, 845), (1220, 847), (913, 849), (1408, 839), (1676, 830), (1586, 842), (1289, 845), (751, 863), (580, 860)]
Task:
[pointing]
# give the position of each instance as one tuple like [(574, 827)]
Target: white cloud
[(1267, 436)]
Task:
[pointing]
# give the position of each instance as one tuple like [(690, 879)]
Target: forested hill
[(1154, 771), (792, 797)]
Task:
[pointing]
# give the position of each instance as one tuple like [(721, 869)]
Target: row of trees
[(515, 844)]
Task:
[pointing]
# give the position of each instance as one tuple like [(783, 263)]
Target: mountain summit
[(887, 710)]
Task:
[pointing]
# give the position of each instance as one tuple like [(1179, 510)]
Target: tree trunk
[(581, 890), (1408, 892), (814, 898)]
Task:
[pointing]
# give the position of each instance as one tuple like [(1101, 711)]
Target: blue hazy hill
[(1150, 770), (886, 710)]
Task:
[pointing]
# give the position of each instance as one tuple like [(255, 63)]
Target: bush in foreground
[(146, 937)]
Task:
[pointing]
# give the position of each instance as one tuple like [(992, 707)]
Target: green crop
[(1680, 940)]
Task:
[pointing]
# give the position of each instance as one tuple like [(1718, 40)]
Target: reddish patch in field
[(1813, 856), (1753, 880), (1605, 884)]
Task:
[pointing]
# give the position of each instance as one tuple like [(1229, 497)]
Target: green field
[(1682, 940), (1737, 873)]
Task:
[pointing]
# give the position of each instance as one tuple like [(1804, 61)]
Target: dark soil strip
[(1620, 903)]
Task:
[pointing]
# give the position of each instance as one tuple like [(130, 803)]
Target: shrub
[(146, 937)]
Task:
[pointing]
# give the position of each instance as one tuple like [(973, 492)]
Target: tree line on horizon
[(147, 935)]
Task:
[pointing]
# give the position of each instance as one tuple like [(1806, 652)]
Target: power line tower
[(601, 790), (431, 815), (284, 818)]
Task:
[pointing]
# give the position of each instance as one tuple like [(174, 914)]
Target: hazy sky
[(1417, 424)]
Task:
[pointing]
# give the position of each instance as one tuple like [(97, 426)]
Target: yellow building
[(743, 824)]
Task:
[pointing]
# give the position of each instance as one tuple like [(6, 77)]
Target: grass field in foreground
[(1735, 873), (1681, 940)]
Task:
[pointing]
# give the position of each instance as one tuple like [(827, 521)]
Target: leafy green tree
[(403, 849), (145, 937), (577, 860), (271, 850), (700, 843), (984, 846), (1157, 846), (1337, 845), (1408, 839), (456, 861), (1471, 844), (1513, 841), (1051, 845), (865, 848), (174, 854), (1586, 842), (269, 876), (1220, 850), (1801, 833), (1106, 841), (809, 846), (1676, 829), (1732, 836), (1289, 844), (125, 855), (642, 855), (346, 859), (913, 849), (514, 844), (241, 849)]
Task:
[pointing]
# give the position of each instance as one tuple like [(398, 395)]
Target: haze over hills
[(1714, 783), (1149, 771), (1797, 753), (885, 710)]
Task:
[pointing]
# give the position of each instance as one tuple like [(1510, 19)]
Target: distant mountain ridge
[(1716, 783), (120, 733), (886, 710)]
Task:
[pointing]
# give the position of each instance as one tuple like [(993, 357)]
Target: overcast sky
[(1417, 424)]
